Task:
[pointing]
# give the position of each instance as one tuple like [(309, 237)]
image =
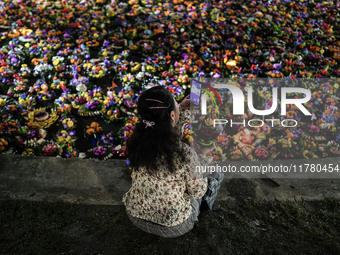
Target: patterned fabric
[(169, 232), (184, 118), (164, 198)]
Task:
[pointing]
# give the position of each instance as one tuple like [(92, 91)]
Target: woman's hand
[(186, 102)]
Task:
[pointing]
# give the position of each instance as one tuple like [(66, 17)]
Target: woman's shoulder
[(188, 150)]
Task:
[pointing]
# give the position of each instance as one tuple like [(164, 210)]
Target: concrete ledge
[(104, 182), (71, 180)]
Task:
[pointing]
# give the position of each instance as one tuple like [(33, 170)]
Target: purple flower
[(72, 133), (100, 150), (200, 74), (107, 138), (92, 104), (129, 127), (14, 60), (88, 104), (216, 75), (67, 154)]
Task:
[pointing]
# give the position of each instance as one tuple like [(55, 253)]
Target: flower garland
[(30, 137), (101, 152), (40, 118)]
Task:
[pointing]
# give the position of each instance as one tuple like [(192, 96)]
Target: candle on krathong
[(231, 63)]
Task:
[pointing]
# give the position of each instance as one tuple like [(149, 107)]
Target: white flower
[(61, 59), (38, 68), (140, 76), (81, 87), (162, 83)]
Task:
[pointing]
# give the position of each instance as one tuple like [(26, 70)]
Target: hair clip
[(154, 100), (158, 107), (149, 123)]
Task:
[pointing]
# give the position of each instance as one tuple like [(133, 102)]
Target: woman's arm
[(196, 185), (184, 118), (184, 114), (195, 170)]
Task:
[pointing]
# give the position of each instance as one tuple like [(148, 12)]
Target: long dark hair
[(147, 144)]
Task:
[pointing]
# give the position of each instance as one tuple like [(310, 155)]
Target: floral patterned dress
[(164, 197)]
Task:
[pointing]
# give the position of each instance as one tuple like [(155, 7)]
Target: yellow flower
[(136, 68), (70, 123), (218, 150), (336, 85), (22, 101), (264, 94), (286, 143), (87, 65), (209, 107), (104, 53), (272, 141), (56, 62), (2, 102), (27, 45), (304, 154), (209, 122)]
